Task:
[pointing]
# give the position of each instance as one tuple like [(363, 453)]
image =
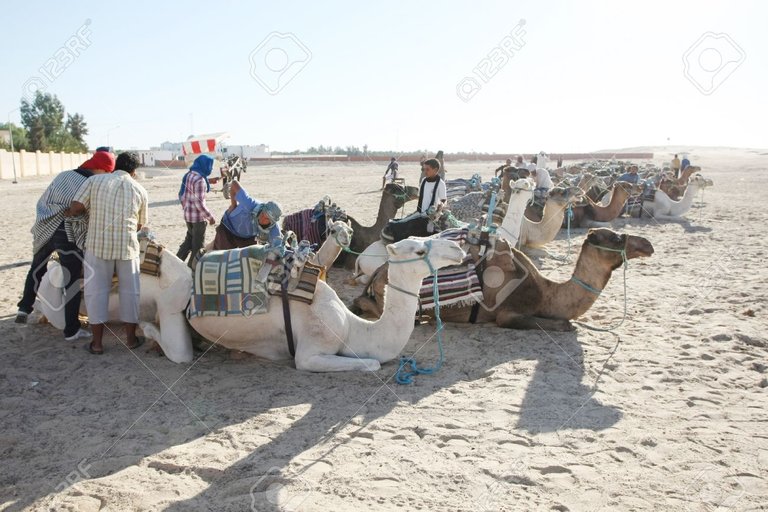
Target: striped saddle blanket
[(149, 256), (238, 282), (307, 225), (456, 286)]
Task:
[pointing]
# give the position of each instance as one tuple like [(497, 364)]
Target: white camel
[(663, 206), (327, 336), (163, 300), (162, 304), (375, 254)]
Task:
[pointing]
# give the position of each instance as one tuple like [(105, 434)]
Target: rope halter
[(409, 368)]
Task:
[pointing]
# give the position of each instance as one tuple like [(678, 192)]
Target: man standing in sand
[(53, 232), (390, 175), (118, 205), (194, 187), (676, 166), (499, 171), (684, 164)]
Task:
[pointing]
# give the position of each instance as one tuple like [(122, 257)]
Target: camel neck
[(385, 338), (574, 297)]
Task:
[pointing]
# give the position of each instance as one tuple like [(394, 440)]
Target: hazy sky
[(575, 76)]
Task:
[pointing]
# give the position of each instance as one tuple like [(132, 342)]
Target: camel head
[(632, 189), (566, 195), (341, 232), (522, 185), (408, 259), (700, 181), (402, 194), (609, 244)]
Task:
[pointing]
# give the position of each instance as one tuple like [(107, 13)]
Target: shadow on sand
[(116, 410)]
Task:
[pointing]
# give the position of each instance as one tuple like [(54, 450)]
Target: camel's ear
[(592, 237), (392, 250)]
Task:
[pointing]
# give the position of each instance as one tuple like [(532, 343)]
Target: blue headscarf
[(203, 165)]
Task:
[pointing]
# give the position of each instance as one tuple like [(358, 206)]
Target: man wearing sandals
[(117, 205)]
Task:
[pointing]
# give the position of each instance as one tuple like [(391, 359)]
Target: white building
[(150, 157), (257, 151), (170, 146)]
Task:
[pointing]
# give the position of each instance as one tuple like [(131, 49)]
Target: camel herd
[(502, 229)]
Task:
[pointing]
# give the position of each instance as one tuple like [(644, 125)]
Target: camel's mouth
[(639, 247)]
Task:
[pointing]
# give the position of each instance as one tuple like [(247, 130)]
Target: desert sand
[(667, 413)]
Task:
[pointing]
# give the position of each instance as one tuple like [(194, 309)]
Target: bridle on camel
[(404, 375), (623, 252)]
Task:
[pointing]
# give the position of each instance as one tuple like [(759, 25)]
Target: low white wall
[(37, 163)]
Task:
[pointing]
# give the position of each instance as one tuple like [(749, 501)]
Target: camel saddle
[(149, 256), (238, 282), (400, 229)]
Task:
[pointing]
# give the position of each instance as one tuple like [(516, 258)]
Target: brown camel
[(393, 197), (586, 214), (538, 234), (531, 301), (675, 187)]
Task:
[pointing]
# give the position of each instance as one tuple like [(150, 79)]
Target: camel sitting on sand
[(393, 198), (521, 192), (663, 206), (595, 214), (675, 187), (530, 300), (164, 298), (328, 337), (537, 234)]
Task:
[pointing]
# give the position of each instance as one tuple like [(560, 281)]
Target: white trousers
[(99, 283)]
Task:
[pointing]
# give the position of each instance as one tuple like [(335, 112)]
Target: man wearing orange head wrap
[(53, 233)]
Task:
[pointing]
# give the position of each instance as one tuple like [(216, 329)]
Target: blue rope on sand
[(409, 368)]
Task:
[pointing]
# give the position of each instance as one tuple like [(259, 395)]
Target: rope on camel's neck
[(408, 368), (581, 283)]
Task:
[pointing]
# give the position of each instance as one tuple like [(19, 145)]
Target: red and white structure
[(209, 144)]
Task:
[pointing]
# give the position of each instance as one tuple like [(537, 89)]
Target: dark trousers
[(71, 259), (226, 240), (193, 242)]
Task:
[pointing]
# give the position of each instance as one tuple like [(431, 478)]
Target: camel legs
[(333, 363), (512, 320)]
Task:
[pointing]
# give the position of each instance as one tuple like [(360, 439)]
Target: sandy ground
[(674, 419)]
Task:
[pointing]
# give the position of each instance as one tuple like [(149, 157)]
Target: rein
[(584, 285), (409, 368)]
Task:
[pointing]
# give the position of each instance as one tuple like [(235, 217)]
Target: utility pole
[(13, 159)]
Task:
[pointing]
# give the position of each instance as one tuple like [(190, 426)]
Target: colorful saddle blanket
[(456, 286), (307, 225), (239, 282), (149, 256)]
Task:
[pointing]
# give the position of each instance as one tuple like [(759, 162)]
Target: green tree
[(43, 118), (78, 129), (19, 137)]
